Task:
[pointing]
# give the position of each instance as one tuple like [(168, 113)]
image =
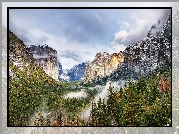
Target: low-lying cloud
[(103, 95), (81, 94)]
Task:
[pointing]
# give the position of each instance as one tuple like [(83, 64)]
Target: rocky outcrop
[(46, 57), (140, 58), (103, 65), (76, 73)]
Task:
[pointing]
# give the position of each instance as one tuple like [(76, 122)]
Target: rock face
[(103, 65), (22, 55), (140, 58), (76, 73), (46, 57)]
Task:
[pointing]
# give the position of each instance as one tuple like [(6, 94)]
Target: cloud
[(120, 36), (99, 19), (72, 54), (76, 35), (139, 25), (67, 63), (116, 48), (81, 94), (103, 95), (79, 25), (119, 47), (30, 37), (124, 25), (25, 29)]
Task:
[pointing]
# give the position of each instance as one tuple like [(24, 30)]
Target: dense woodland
[(147, 102)]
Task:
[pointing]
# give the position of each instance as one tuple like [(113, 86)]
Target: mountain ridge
[(46, 57), (140, 58), (76, 73)]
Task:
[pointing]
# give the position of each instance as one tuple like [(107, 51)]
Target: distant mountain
[(63, 74), (140, 58), (77, 72), (60, 71), (74, 74)]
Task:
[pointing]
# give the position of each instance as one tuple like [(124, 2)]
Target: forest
[(145, 102), (36, 99)]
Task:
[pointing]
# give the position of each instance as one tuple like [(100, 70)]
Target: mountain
[(22, 55), (46, 57), (19, 53), (28, 85), (60, 70), (155, 29), (76, 73), (63, 74), (141, 58), (103, 65)]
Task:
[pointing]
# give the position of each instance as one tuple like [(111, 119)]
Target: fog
[(81, 94), (85, 114), (103, 95)]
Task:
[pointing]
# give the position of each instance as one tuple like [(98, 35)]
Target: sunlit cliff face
[(103, 65)]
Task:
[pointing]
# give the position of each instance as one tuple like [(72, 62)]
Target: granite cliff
[(46, 57), (103, 65), (22, 55), (139, 58)]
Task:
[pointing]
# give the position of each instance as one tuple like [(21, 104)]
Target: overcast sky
[(78, 34)]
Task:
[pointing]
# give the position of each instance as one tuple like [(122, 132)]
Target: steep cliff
[(103, 65), (150, 53), (46, 57), (140, 58), (29, 86)]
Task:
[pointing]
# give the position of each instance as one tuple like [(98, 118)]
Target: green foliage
[(140, 104), (27, 92), (28, 88)]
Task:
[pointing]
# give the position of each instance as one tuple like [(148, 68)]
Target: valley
[(129, 88)]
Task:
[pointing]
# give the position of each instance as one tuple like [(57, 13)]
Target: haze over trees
[(36, 99)]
